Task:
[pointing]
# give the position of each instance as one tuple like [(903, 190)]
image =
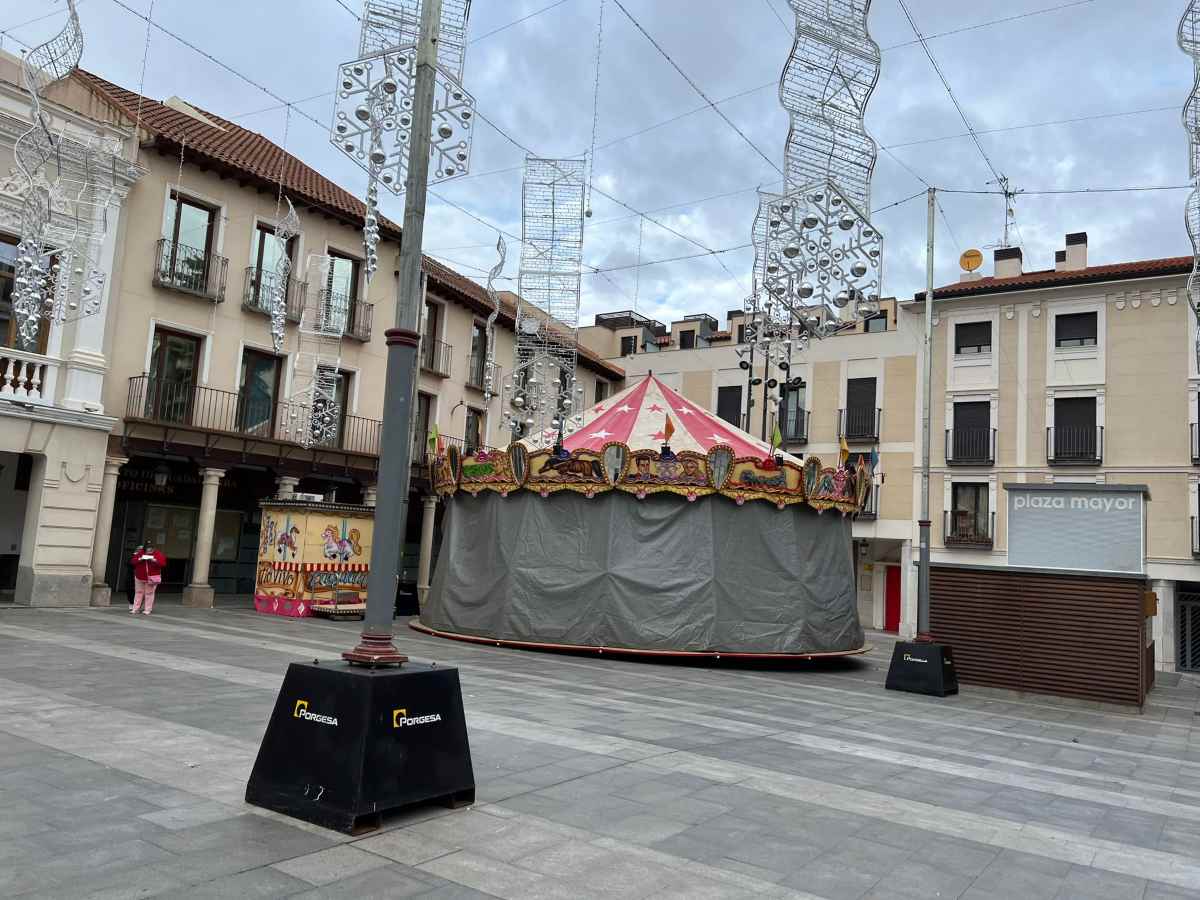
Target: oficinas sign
[(1073, 526)]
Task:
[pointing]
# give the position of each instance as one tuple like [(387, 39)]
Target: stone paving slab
[(125, 746)]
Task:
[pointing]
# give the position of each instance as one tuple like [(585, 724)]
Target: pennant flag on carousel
[(843, 451), (668, 430), (776, 439)]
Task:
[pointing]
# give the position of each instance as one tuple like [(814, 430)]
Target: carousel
[(654, 528)]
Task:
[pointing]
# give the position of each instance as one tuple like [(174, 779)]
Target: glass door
[(341, 291), (174, 363), (188, 229), (260, 390)]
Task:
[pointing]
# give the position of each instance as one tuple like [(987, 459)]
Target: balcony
[(339, 314), (477, 368), (420, 448), (794, 429), (190, 270), (963, 529), (970, 446), (256, 296), (435, 357), (1073, 446), (27, 377), (193, 407), (870, 509), (860, 425)]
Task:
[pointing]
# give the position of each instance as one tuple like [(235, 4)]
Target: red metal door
[(891, 600)]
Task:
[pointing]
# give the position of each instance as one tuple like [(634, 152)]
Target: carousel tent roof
[(637, 417)]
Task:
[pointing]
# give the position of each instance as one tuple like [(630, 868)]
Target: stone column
[(101, 592), (908, 591), (424, 562), (286, 486), (1164, 626), (199, 592), (370, 494)]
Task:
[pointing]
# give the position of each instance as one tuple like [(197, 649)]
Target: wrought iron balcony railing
[(190, 270), (962, 528), (362, 317), (477, 369), (435, 357), (859, 423), (794, 427), (256, 296), (1074, 446), (420, 449), (238, 413), (970, 446)]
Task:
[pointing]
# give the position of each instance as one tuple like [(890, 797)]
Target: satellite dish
[(970, 260)]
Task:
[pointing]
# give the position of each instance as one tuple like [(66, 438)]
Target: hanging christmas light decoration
[(541, 397), (38, 290), (1189, 42), (314, 412), (817, 255), (372, 116), (286, 228), (489, 366)]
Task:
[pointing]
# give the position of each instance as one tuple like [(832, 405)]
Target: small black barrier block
[(346, 744), (922, 669)]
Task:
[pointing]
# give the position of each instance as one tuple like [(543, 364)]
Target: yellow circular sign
[(971, 260)]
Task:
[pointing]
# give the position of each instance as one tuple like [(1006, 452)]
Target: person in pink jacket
[(148, 564)]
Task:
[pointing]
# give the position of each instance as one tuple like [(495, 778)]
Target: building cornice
[(55, 415)]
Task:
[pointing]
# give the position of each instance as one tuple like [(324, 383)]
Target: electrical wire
[(965, 28), (695, 87), (536, 12)]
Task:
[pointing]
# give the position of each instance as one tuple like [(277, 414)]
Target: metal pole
[(766, 377), (927, 394), (391, 512), (750, 387)]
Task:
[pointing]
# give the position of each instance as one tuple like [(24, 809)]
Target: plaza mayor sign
[(1088, 527)]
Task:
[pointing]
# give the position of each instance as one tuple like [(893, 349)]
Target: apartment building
[(1075, 374), (859, 384), (53, 422), (202, 418)]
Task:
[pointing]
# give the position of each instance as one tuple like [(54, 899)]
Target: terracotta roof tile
[(1146, 268), (232, 145)]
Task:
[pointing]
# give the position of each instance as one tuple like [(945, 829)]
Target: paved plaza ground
[(125, 745)]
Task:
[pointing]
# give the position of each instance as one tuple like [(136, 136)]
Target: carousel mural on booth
[(309, 553)]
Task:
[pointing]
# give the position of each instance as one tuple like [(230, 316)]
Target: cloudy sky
[(1111, 65)]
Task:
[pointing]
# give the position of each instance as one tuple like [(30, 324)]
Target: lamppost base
[(375, 651), (922, 668)]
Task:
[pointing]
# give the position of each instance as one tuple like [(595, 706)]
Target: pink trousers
[(143, 590)]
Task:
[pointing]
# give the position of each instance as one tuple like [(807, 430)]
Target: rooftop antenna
[(1010, 211)]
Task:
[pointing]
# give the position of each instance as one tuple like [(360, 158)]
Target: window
[(265, 258), (729, 404), (742, 333), (601, 391), (473, 438), (860, 418), (174, 365), (8, 319), (876, 323), (478, 354), (421, 433), (1075, 330), (341, 397), (341, 292), (969, 518), (791, 413), (972, 338), (188, 233), (629, 345), (1075, 432), (972, 432), (687, 340), (260, 390)]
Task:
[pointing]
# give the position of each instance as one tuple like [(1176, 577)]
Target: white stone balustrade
[(27, 377)]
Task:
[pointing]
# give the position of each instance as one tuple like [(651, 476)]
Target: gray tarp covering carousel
[(641, 535)]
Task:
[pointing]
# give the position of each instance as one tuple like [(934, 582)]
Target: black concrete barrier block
[(922, 669), (346, 744)]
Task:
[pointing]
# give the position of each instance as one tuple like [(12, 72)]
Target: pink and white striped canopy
[(637, 417)]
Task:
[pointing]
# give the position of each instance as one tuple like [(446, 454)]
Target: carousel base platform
[(418, 625)]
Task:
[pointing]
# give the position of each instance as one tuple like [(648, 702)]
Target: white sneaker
[(146, 612), (132, 611)]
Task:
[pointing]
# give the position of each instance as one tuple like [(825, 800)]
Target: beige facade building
[(1081, 374), (170, 415), (859, 384)]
